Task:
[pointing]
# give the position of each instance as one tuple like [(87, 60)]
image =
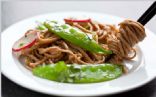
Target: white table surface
[(18, 10)]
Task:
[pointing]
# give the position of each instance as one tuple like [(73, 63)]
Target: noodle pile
[(50, 48)]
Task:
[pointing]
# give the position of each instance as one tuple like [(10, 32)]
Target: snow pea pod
[(75, 36), (74, 73)]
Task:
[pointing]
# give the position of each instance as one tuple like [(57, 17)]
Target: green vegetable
[(21, 44), (75, 36), (41, 26), (62, 72), (55, 72)]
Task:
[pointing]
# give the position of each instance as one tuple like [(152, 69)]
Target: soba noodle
[(50, 48)]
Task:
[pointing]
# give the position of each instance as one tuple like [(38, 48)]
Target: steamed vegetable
[(62, 72), (75, 36), (41, 27)]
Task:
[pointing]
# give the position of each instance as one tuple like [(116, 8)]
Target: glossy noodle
[(50, 48)]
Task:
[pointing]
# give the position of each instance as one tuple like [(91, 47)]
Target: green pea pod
[(74, 73), (40, 26), (75, 36)]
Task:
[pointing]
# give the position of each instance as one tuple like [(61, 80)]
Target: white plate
[(142, 68)]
